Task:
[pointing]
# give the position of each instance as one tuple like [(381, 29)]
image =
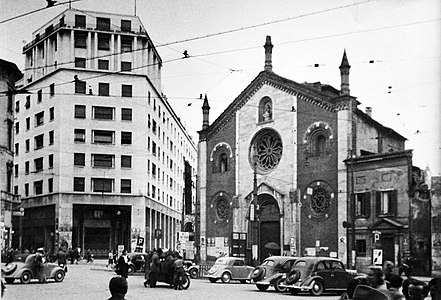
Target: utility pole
[(255, 206), (352, 207)]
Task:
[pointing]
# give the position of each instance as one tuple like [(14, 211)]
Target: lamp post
[(255, 206)]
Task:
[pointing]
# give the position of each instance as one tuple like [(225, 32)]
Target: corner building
[(101, 158), (273, 168)]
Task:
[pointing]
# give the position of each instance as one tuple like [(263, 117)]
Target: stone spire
[(205, 113), (344, 74), (268, 54)]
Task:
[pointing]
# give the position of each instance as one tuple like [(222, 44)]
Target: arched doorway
[(269, 226)]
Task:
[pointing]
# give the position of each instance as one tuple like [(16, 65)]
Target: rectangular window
[(80, 62), (103, 24), (360, 248), (17, 148), (386, 202), (52, 89), (28, 102), (39, 96), (51, 114), (80, 39), (126, 44), (153, 191), (28, 123), (50, 185), (103, 160), (80, 87), (16, 170), (51, 137), (79, 159), (38, 141), (103, 113), (126, 90), (103, 64), (362, 205), (126, 66), (103, 137), (17, 128), (78, 185), (126, 186), (80, 111), (154, 148), (153, 170), (103, 89), (80, 135), (103, 42), (38, 164), (149, 121), (28, 145), (51, 161), (126, 138), (27, 167), (126, 161), (80, 21), (126, 114), (17, 106), (102, 185), (38, 187), (39, 119), (126, 25), (154, 127), (27, 189)]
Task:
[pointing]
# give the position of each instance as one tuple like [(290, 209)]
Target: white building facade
[(102, 156)]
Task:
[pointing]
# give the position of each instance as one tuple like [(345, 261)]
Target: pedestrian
[(39, 263), (435, 288), (118, 288), (110, 260), (10, 256), (123, 264), (178, 272), (415, 289), (395, 282), (147, 263), (364, 292), (61, 259), (388, 268), (89, 256), (154, 267)]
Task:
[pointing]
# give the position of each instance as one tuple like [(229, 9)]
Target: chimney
[(369, 111), (344, 74), (268, 54)]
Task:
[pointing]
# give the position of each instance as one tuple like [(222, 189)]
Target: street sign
[(377, 257), (17, 213)]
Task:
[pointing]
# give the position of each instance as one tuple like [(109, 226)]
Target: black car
[(271, 271)]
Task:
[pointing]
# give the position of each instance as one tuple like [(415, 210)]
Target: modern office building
[(102, 160)]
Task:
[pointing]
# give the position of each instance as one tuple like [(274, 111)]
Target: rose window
[(266, 150), (320, 201), (222, 208)]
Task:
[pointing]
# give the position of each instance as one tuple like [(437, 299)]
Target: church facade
[(273, 171)]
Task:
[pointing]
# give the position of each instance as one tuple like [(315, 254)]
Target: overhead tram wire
[(37, 10)]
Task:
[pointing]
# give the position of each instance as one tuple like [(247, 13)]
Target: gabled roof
[(305, 92), (383, 129), (266, 188), (386, 223)]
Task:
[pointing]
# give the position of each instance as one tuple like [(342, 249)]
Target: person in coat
[(154, 267), (123, 264)]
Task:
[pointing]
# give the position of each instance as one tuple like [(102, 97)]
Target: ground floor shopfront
[(101, 223)]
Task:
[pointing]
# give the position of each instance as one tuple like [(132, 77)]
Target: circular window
[(319, 201), (266, 150), (222, 208), (319, 197)]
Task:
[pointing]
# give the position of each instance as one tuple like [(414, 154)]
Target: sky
[(393, 47)]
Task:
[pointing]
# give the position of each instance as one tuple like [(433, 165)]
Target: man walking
[(123, 264)]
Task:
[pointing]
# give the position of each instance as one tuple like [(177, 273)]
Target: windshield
[(303, 265), (268, 262), (221, 261)]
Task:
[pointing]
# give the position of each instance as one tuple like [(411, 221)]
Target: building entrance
[(269, 227)]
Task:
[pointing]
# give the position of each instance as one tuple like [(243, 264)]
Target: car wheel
[(317, 288), (294, 291), (292, 277), (131, 270), (9, 280), (185, 282), (226, 277), (194, 273), (212, 280), (277, 286), (59, 276), (262, 287), (26, 277)]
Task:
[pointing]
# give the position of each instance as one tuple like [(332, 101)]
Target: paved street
[(90, 281)]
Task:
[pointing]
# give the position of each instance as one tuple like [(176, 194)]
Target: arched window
[(265, 109), (319, 145), (223, 163)]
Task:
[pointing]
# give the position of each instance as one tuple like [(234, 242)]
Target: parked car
[(27, 270), (229, 268), (136, 263), (191, 268), (317, 275), (271, 271)]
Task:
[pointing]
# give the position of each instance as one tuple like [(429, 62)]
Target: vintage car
[(27, 270), (137, 261), (317, 275), (229, 268), (191, 268), (271, 271), (165, 275)]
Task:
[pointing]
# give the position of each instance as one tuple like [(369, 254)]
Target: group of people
[(383, 284)]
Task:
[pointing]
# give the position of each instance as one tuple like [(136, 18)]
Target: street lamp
[(255, 207)]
